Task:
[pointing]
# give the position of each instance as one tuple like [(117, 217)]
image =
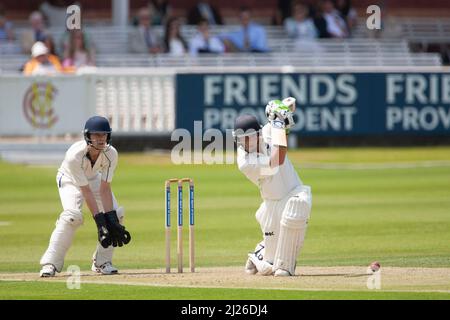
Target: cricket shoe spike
[(107, 268)]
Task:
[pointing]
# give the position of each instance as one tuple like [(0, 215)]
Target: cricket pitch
[(350, 278)]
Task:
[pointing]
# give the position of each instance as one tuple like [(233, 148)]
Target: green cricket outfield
[(386, 204)]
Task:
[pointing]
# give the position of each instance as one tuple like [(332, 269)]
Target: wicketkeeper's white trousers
[(71, 218)]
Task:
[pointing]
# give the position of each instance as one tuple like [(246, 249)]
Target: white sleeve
[(76, 171), (255, 166), (110, 167)]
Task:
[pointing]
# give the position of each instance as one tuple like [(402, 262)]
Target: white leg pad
[(269, 216), (103, 255), (292, 232), (61, 238)]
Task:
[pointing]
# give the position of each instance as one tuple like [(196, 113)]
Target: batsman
[(286, 207), (86, 175)]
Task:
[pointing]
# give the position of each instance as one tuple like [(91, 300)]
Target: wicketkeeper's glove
[(104, 237), (119, 236)]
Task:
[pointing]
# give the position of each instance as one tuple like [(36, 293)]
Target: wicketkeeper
[(86, 174), (286, 207)]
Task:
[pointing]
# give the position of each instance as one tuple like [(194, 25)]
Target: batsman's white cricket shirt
[(77, 166), (274, 183)]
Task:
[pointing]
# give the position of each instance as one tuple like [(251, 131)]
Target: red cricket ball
[(375, 266)]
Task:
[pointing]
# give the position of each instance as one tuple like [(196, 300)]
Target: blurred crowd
[(301, 19)]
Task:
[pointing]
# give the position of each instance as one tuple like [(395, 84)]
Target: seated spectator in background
[(161, 11), (285, 9), (55, 12), (6, 29), (42, 63), (391, 28), (282, 12), (203, 42), (336, 26), (345, 9), (66, 40), (37, 32), (78, 54), (204, 10), (251, 37), (300, 26), (50, 44), (173, 40), (319, 21), (143, 39)]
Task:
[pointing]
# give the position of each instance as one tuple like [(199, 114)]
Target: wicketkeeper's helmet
[(96, 124)]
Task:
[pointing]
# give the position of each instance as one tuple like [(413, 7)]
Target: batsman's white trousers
[(270, 215), (71, 218)]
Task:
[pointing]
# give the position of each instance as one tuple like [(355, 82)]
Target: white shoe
[(106, 268), (263, 267), (250, 267), (47, 271), (282, 273)]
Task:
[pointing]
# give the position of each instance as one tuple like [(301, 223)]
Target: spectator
[(173, 40), (50, 44), (56, 12), (204, 10), (143, 39), (300, 26), (319, 21), (390, 27), (161, 11), (78, 54), (283, 11), (336, 26), (203, 42), (42, 63), (67, 38), (251, 37), (37, 32), (347, 13), (6, 29)]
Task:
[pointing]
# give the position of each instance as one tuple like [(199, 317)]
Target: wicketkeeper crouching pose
[(86, 174), (285, 211)]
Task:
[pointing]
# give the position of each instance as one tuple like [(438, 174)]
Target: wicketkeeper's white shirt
[(77, 166), (274, 183)]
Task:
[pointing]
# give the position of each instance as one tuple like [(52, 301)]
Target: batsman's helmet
[(96, 124), (246, 125)]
